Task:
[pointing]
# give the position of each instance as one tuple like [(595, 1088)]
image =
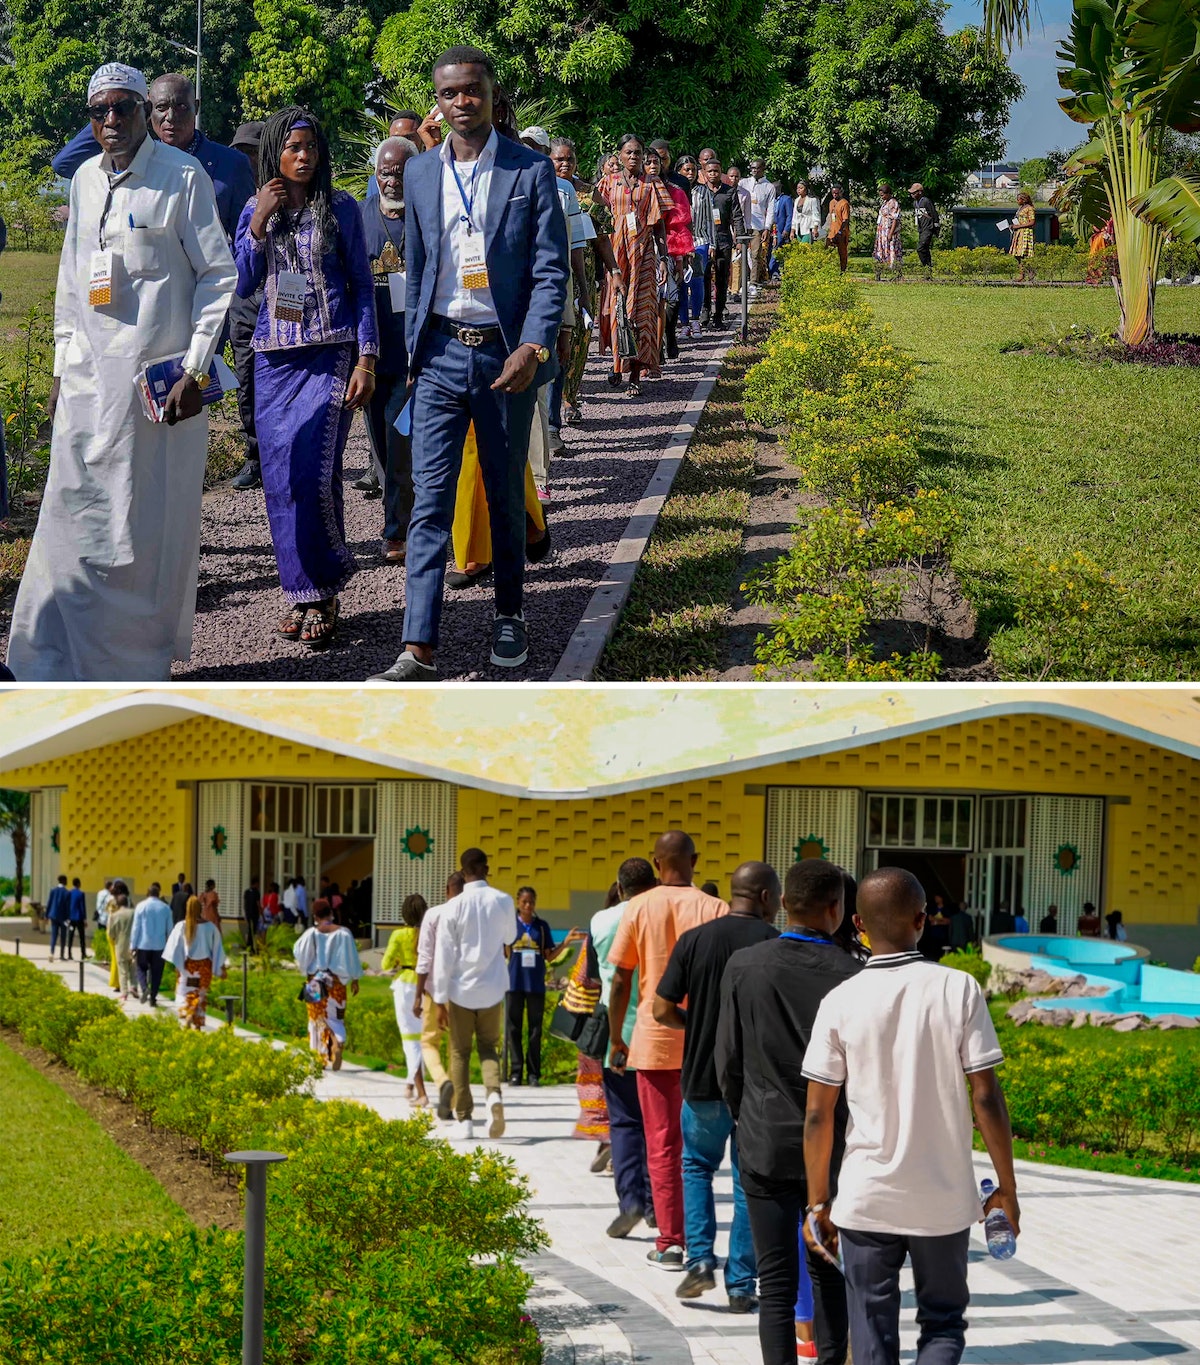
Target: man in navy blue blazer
[(487, 261)]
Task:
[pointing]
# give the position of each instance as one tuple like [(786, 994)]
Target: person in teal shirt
[(628, 1137)]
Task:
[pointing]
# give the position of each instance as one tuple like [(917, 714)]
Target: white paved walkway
[(1108, 1268)]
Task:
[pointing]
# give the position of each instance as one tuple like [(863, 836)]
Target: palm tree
[(14, 821), (545, 113), (1132, 70)]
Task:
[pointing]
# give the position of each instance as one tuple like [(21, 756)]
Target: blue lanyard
[(807, 938), (468, 204)]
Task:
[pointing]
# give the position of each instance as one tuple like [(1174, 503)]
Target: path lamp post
[(81, 976), (229, 1001), (743, 244), (253, 1297), (245, 986), (17, 941), (193, 51)]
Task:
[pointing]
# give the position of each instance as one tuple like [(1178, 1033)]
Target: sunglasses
[(123, 109)]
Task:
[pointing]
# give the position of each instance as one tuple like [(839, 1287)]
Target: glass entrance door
[(1000, 864)]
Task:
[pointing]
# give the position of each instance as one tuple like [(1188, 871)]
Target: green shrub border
[(383, 1244)]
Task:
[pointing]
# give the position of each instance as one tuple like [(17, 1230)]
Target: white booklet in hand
[(1004, 225)]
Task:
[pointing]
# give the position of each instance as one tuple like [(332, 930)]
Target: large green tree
[(695, 73), (873, 90), (297, 56)]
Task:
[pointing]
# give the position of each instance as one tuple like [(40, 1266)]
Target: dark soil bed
[(207, 1199)]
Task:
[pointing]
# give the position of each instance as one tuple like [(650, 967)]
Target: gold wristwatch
[(198, 375), (543, 354)]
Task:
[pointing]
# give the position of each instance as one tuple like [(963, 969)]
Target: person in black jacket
[(769, 999), (729, 226)]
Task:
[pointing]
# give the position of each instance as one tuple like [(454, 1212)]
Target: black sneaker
[(249, 476), (698, 1280), (624, 1223), (510, 644), (368, 483), (671, 1259), (743, 1303), (407, 668), (445, 1102)]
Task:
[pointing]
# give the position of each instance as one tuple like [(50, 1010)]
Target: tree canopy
[(694, 73), (872, 90)]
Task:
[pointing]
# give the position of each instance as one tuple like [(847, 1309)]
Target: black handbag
[(593, 1037), (627, 348), (567, 1025)]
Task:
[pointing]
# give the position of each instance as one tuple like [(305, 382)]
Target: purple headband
[(301, 123)]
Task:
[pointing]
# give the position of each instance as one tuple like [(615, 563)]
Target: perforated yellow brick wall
[(122, 807), (123, 811), (1152, 851)]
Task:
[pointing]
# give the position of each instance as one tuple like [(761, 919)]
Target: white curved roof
[(572, 741)]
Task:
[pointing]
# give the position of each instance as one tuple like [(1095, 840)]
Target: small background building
[(989, 794)]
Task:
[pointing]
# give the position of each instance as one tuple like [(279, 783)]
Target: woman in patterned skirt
[(639, 207), (197, 953), (1021, 245), (315, 343), (889, 254)]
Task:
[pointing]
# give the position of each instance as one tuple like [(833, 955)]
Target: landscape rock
[(1128, 1023), (1174, 1021), (1020, 1012)]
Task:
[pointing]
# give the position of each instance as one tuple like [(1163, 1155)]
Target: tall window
[(933, 822)]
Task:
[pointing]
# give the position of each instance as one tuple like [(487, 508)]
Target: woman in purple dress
[(316, 343)]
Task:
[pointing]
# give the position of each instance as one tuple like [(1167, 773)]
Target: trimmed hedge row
[(841, 390), (384, 1245)]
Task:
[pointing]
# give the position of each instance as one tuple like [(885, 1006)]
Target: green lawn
[(26, 278), (1057, 456), (62, 1175)]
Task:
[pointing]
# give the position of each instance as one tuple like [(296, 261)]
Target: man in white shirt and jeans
[(899, 1037), (470, 979), (760, 220), (431, 1027)]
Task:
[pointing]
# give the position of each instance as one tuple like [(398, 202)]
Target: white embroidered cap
[(118, 76)]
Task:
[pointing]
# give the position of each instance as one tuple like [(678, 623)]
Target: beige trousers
[(431, 1044), (481, 1027)]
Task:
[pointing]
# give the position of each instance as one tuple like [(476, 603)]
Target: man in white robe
[(109, 590)]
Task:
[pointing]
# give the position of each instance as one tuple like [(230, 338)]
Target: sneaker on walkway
[(543, 491), (496, 1109), (671, 1259), (445, 1104), (407, 668), (698, 1280), (464, 1131), (743, 1303), (368, 483), (510, 642), (806, 1350), (602, 1158), (249, 476), (624, 1223)]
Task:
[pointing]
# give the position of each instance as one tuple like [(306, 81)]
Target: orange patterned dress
[(637, 206), (326, 1031), (198, 974)]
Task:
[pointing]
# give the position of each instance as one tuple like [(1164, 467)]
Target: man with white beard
[(383, 226)]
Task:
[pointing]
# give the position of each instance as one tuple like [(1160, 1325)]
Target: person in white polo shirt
[(898, 1038), (469, 981)]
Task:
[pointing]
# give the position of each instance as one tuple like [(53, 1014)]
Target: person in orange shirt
[(650, 928), (839, 225)]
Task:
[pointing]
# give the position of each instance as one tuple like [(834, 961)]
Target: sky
[(1037, 123)]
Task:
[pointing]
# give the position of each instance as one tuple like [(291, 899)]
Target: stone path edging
[(582, 654)]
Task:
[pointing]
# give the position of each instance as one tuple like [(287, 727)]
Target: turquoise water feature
[(1133, 985)]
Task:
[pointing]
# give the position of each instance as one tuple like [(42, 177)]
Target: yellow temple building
[(991, 794)]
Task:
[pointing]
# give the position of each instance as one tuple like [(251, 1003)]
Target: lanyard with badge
[(473, 271), (100, 283), (291, 286)]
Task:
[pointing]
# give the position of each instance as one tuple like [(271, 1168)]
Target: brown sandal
[(289, 626), (320, 624)]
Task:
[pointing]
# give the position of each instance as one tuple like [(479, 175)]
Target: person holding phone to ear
[(896, 1041)]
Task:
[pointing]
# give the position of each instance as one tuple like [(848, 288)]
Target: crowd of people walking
[(454, 307)]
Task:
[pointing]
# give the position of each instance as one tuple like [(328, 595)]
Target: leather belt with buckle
[(467, 336)]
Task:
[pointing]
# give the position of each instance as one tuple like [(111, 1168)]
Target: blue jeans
[(707, 1127), (453, 388), (695, 287)]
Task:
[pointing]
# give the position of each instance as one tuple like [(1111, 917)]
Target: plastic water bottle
[(1001, 1239)]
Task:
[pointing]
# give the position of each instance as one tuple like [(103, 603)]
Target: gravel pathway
[(612, 457)]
